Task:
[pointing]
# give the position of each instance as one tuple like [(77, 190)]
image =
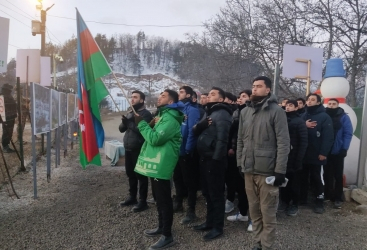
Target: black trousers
[(185, 180), (333, 176), (314, 174), (291, 192), (212, 174), (131, 158), (162, 191), (8, 128), (236, 184)]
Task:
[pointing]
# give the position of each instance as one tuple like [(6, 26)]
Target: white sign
[(4, 40), (291, 68), (2, 108), (45, 78), (28, 65)]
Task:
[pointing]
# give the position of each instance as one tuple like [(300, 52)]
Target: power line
[(15, 11), (14, 46), (50, 37), (19, 8), (135, 25), (15, 19), (48, 30)]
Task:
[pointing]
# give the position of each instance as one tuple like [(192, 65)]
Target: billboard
[(54, 98), (71, 107), (62, 109), (4, 41), (41, 100)]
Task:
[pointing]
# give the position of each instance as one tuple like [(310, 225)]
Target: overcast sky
[(131, 12)]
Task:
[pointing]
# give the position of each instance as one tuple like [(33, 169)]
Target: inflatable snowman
[(336, 86)]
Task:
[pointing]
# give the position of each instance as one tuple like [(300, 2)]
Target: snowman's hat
[(334, 68)]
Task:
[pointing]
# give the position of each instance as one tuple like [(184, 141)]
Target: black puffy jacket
[(233, 133), (212, 141), (133, 140), (321, 137), (298, 136)]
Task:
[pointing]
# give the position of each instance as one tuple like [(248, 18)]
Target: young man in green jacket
[(158, 158)]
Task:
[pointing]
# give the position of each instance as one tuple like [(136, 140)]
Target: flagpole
[(111, 96), (123, 91)]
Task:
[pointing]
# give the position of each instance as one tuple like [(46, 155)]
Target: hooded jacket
[(321, 137), (160, 151), (212, 141), (343, 130), (133, 140), (192, 116), (299, 140), (263, 139)]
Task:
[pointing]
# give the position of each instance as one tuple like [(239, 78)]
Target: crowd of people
[(269, 154)]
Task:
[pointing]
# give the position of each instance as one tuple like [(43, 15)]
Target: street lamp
[(39, 27), (56, 58)]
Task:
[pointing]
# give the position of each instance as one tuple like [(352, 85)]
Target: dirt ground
[(79, 209)]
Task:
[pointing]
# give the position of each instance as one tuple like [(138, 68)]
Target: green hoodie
[(160, 151)]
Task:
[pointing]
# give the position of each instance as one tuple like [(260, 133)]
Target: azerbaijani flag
[(92, 66)]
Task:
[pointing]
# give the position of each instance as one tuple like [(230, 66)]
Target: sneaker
[(282, 206), (129, 201), (237, 217), (189, 218), (229, 206), (141, 206), (292, 210), (319, 206), (177, 207), (151, 200), (338, 204), (249, 228), (7, 149)]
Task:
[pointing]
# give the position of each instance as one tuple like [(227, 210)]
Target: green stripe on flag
[(83, 158), (98, 67)]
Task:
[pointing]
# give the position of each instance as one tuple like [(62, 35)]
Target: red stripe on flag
[(89, 140), (87, 44)]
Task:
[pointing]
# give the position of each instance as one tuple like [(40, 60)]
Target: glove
[(138, 119), (203, 124), (124, 120), (279, 179), (152, 123), (240, 171), (343, 153)]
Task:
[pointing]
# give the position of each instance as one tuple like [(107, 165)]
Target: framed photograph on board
[(76, 111), (54, 109), (41, 100), (71, 107), (62, 108)]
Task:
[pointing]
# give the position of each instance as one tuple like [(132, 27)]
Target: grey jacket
[(263, 140)]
